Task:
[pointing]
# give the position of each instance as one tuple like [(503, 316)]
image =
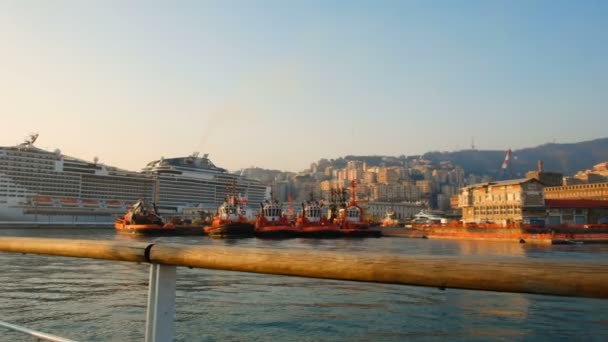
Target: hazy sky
[(280, 84)]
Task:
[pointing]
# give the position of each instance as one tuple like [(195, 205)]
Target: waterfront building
[(575, 211), (547, 178), (593, 191), (514, 200), (376, 210)]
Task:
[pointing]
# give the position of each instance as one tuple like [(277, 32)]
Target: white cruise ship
[(194, 181), (38, 186)]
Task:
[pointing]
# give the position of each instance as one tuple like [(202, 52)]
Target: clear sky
[(280, 84)]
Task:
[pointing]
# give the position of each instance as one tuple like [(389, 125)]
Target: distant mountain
[(564, 158)]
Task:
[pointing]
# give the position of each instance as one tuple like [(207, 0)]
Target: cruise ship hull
[(23, 216)]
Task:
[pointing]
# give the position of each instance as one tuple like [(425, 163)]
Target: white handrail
[(34, 333)]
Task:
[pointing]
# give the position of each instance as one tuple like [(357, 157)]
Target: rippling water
[(94, 300)]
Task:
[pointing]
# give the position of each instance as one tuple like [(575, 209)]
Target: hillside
[(564, 158)]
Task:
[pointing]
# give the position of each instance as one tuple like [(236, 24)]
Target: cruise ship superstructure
[(48, 187), (39, 186), (194, 181)]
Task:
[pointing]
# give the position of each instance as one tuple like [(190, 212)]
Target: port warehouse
[(528, 200)]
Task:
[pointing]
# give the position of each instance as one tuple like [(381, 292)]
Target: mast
[(353, 192)]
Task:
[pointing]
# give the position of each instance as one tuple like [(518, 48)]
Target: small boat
[(140, 220), (42, 201), (230, 221), (90, 203), (312, 223), (113, 204), (69, 202), (423, 218), (272, 223)]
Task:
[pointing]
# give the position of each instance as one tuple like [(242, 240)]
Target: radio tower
[(506, 166)]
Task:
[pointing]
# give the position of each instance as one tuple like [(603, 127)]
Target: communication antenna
[(95, 160), (30, 140), (472, 143)]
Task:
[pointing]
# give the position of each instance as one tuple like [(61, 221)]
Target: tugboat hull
[(143, 229), (277, 232), (232, 229)]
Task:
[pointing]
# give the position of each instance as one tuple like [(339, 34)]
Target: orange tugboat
[(230, 221), (352, 221), (272, 223), (139, 220), (312, 223)]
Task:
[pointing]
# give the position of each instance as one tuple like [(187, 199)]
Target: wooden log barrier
[(93, 249), (553, 277), (564, 278)]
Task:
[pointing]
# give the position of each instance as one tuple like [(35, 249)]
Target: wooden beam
[(564, 278), (94, 249), (554, 277)]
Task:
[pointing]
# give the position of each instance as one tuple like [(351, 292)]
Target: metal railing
[(563, 277), (34, 333)]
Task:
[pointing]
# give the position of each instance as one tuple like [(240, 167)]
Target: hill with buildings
[(431, 179), (564, 158)]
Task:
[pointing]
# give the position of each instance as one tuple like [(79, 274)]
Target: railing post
[(160, 315)]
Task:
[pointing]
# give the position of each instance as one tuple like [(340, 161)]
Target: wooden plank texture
[(524, 275), (94, 249), (563, 277)]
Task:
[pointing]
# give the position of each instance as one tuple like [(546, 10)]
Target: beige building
[(369, 177), (377, 210), (547, 178), (598, 174), (394, 192), (425, 186), (515, 200), (388, 175), (593, 191)]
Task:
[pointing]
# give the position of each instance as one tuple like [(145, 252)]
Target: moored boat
[(312, 223), (230, 221), (352, 220), (273, 223), (389, 220), (141, 220)]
